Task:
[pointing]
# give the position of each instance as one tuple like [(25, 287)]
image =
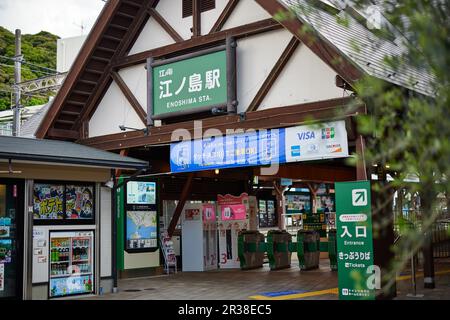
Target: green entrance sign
[(189, 84), (354, 241)]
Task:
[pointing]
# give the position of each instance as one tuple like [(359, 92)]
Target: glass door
[(11, 235)]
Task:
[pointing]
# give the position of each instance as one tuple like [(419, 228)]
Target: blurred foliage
[(407, 134), (38, 49)]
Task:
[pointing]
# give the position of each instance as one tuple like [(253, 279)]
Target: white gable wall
[(172, 12), (152, 36), (256, 57), (113, 110), (305, 78), (246, 11), (136, 80), (210, 17)]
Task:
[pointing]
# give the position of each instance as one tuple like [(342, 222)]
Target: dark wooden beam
[(100, 90), (84, 130), (325, 172), (165, 25), (224, 16), (133, 31), (179, 209), (106, 78), (237, 32), (81, 60), (61, 133), (361, 172), (264, 119), (274, 73), (130, 96), (196, 18), (328, 53)]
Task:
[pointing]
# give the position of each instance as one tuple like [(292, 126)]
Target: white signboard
[(313, 142)]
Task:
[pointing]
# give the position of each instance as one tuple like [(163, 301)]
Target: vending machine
[(71, 257), (199, 237), (233, 217)]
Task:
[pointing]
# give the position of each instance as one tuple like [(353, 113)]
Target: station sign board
[(192, 83), (354, 241)]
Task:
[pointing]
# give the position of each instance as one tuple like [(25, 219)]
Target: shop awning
[(38, 150)]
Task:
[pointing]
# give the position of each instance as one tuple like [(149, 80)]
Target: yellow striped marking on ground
[(297, 295), (332, 290)]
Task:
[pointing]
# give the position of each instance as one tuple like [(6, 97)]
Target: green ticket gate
[(332, 249), (308, 249), (279, 244), (251, 249)]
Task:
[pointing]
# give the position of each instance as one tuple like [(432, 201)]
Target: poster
[(209, 212), (5, 251), (79, 202), (192, 214), (141, 230), (141, 192), (72, 285), (48, 201), (233, 207), (298, 203), (2, 277), (233, 212), (4, 231)]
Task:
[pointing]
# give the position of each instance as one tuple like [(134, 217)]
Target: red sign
[(209, 212), (229, 199), (233, 212)]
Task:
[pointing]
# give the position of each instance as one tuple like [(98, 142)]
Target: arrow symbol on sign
[(360, 196)]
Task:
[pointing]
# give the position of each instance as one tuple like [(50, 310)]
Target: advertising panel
[(141, 192), (253, 148), (79, 202), (311, 142), (209, 212), (48, 201), (56, 203), (141, 217), (262, 147)]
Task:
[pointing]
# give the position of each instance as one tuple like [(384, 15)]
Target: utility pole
[(17, 80)]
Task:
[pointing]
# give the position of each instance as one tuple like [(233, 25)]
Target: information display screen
[(141, 192), (141, 216)]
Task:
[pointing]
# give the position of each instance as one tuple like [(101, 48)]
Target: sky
[(60, 17)]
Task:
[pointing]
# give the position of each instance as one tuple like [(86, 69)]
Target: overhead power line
[(30, 64)]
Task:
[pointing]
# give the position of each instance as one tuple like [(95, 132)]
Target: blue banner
[(253, 148), (261, 148)]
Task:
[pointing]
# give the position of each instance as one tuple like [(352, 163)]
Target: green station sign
[(189, 85), (354, 240)]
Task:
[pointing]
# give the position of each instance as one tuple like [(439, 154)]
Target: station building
[(245, 120)]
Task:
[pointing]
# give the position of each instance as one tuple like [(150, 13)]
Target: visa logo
[(306, 135)]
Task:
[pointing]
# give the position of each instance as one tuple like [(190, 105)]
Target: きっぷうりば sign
[(354, 241), (190, 84), (261, 147)]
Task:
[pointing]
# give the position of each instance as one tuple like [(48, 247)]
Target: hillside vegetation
[(37, 49)]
